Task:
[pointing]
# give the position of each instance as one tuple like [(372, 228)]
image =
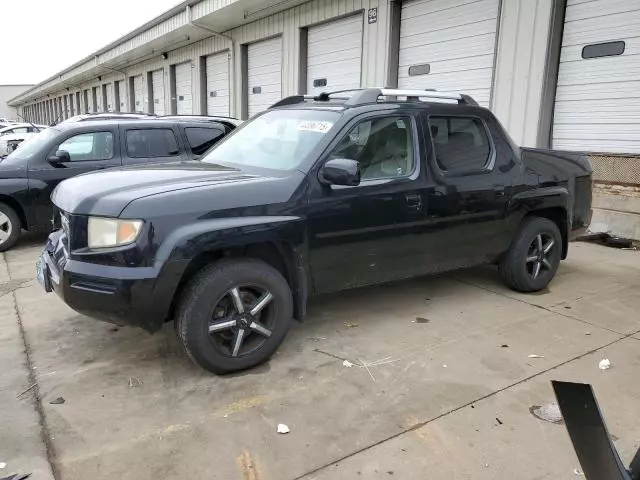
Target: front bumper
[(119, 295)]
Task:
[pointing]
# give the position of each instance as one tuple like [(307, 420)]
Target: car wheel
[(534, 256), (9, 227), (234, 314)]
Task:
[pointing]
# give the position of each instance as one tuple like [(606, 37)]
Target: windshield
[(31, 145), (279, 139)]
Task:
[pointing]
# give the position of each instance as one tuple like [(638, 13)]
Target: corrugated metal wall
[(286, 23)]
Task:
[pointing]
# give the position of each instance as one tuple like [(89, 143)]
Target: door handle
[(498, 190), (414, 200)]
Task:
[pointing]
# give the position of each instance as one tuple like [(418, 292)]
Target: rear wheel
[(9, 227), (234, 314), (534, 256)]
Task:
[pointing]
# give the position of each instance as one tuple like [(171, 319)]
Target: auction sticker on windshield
[(311, 126)]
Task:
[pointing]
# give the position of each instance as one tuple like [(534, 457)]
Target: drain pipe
[(232, 56)]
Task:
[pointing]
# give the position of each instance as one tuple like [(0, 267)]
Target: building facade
[(8, 92), (562, 74)]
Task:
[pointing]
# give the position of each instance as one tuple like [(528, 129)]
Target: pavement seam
[(460, 407), (546, 309), (45, 434)]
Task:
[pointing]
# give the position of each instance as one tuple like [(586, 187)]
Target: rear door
[(145, 144), (376, 231), (473, 170), (91, 149)]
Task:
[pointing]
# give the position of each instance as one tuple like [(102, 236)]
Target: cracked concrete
[(433, 408)]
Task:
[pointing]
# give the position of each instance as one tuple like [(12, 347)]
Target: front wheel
[(234, 314), (534, 256)]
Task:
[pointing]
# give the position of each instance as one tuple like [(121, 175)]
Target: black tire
[(210, 292), (518, 267), (10, 227)]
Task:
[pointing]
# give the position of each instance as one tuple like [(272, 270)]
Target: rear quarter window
[(461, 144), (201, 139)]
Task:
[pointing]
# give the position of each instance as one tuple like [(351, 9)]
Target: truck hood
[(108, 192)]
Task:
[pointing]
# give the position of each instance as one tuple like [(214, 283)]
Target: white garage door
[(597, 104), (183, 89), (264, 65), (218, 84), (121, 97), (449, 45), (334, 55), (138, 94), (110, 106), (158, 92)]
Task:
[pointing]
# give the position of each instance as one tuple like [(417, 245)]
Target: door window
[(202, 139), (89, 146), (157, 142), (461, 144), (383, 147)]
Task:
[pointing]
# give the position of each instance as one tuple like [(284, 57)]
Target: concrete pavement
[(136, 408)]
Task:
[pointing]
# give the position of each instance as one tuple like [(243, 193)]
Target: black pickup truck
[(311, 196)]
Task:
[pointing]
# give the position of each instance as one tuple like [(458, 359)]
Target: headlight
[(111, 232)]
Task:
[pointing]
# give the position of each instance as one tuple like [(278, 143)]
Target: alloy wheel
[(538, 256), (242, 320), (5, 228)]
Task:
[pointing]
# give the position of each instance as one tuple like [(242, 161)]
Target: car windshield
[(31, 145), (279, 139)]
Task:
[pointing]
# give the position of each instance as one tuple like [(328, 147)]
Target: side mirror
[(59, 158), (341, 171)]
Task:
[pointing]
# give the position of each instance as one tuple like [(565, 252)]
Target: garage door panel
[(487, 27), (599, 145), (599, 29), (602, 71), (337, 45), (338, 28), (452, 82), (425, 14), (582, 11), (347, 58), (463, 48), (591, 108), (621, 90)]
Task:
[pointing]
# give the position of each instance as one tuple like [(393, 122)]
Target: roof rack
[(365, 96)]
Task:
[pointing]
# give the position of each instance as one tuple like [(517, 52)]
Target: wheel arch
[(279, 254), (17, 207), (559, 216)]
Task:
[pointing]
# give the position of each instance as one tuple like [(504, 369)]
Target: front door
[(88, 151), (372, 232)]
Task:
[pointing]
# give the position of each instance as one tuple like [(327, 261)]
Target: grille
[(616, 169)]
